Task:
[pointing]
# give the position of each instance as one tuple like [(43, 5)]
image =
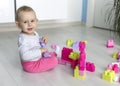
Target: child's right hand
[(43, 50)]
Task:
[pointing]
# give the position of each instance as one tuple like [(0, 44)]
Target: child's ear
[(17, 23)]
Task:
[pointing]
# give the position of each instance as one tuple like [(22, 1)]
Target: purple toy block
[(110, 43), (75, 45), (42, 44)]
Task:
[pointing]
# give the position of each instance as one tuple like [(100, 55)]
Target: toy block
[(81, 46), (76, 72), (74, 55), (77, 75), (74, 63), (90, 67), (108, 75), (117, 63), (115, 55), (118, 59), (75, 45), (53, 46), (43, 44), (85, 41), (115, 68), (69, 42), (65, 54), (110, 43), (110, 67)]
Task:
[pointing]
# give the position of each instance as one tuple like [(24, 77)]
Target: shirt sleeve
[(29, 54)]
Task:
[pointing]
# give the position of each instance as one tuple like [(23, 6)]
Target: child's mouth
[(29, 29)]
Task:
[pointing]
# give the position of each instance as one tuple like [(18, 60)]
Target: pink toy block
[(74, 63), (90, 67), (110, 67), (81, 46), (65, 54), (115, 68), (110, 43), (53, 46)]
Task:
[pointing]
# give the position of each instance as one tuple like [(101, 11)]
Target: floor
[(11, 73)]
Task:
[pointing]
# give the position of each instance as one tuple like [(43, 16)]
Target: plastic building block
[(110, 43), (77, 73), (90, 67), (75, 45), (65, 54), (115, 55), (43, 44), (108, 75), (85, 41), (74, 55), (53, 46), (81, 46), (115, 68), (69, 42)]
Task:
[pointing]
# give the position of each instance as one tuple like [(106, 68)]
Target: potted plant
[(116, 8), (113, 16)]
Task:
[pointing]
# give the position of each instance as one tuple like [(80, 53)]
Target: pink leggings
[(41, 65)]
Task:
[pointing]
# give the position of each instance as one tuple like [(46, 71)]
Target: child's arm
[(30, 54)]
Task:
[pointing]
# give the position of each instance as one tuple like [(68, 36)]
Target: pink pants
[(41, 65)]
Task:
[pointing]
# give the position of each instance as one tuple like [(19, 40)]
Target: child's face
[(27, 22)]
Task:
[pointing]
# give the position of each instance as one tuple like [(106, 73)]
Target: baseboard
[(46, 24)]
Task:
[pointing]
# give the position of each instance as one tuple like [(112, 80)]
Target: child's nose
[(29, 23)]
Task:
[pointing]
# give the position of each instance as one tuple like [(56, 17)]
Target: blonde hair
[(22, 9)]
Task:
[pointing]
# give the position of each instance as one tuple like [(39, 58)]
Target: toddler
[(30, 50)]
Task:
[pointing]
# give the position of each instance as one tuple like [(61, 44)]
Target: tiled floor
[(11, 73)]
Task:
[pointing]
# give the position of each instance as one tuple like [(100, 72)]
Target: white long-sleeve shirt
[(29, 47)]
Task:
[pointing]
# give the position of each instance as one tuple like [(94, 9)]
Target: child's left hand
[(45, 40)]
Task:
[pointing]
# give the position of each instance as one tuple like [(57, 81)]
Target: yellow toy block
[(77, 75), (115, 55), (74, 55), (69, 42), (85, 41), (108, 75)]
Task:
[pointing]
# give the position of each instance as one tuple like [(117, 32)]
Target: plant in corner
[(113, 16), (116, 8)]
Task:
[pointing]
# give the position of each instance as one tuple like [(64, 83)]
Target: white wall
[(7, 11), (63, 10), (90, 13), (74, 10), (47, 9)]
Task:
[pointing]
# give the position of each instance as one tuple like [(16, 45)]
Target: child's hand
[(43, 50), (45, 40)]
